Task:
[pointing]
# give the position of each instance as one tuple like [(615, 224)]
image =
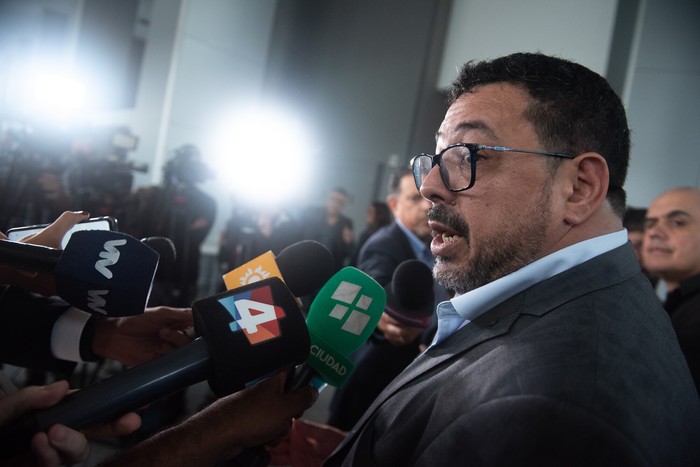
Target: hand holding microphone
[(51, 236), (102, 272), (410, 303), (59, 444), (134, 340), (244, 335), (341, 317), (409, 306), (255, 415)]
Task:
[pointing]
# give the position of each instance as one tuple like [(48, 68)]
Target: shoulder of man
[(388, 235)]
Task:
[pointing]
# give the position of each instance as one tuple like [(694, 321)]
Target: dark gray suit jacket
[(383, 252), (26, 324), (581, 369), (377, 361)]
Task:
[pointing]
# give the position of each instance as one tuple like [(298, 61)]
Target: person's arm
[(59, 444), (379, 258), (397, 333), (133, 340), (252, 417), (26, 325), (378, 263), (51, 236), (46, 333)]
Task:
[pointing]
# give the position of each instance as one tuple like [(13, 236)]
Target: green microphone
[(341, 318)]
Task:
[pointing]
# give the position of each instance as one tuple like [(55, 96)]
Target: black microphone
[(342, 316), (244, 335), (304, 266), (410, 297), (100, 271), (166, 251)]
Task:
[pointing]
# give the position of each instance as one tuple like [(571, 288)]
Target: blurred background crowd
[(234, 128)]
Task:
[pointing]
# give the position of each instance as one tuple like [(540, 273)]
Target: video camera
[(44, 172)]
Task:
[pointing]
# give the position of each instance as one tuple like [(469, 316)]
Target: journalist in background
[(555, 350)]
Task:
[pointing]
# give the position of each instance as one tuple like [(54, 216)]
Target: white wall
[(486, 29), (662, 92), (219, 63), (203, 57), (664, 101), (148, 119)]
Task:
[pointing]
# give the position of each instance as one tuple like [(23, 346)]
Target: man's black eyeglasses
[(457, 164)]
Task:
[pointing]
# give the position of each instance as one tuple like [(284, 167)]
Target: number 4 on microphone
[(254, 313)]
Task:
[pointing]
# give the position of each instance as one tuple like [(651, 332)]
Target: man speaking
[(555, 350)]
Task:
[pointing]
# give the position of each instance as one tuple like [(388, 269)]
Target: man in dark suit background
[(555, 350), (393, 345), (671, 247)]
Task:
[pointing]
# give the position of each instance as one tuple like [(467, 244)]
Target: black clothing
[(184, 214), (683, 306), (315, 227), (26, 324)]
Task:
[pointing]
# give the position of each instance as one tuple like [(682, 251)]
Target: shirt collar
[(420, 249), (472, 304)]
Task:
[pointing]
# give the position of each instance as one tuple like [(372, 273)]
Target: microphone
[(243, 335), (100, 271), (303, 266), (166, 251), (410, 297), (341, 317), (304, 259)]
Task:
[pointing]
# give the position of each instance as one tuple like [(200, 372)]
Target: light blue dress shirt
[(462, 309), (420, 249)]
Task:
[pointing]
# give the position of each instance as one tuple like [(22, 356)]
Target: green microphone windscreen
[(342, 317)]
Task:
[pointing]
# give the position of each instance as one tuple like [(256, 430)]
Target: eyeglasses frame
[(473, 149)]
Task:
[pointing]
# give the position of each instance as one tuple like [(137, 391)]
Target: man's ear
[(589, 180)]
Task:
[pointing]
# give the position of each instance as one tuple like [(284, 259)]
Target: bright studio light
[(53, 93), (264, 156)]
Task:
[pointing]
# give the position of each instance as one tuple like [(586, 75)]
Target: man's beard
[(519, 244)]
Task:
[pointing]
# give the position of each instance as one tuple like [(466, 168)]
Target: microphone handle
[(30, 257), (302, 376), (112, 397)]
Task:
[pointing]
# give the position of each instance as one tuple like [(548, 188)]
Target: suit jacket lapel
[(491, 324), (471, 341), (536, 301)]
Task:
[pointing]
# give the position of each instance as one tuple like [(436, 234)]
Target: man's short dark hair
[(393, 187), (634, 219), (574, 110)]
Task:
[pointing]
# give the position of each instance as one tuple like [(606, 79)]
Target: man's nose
[(655, 231), (433, 187)]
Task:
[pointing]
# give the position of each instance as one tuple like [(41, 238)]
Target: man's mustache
[(450, 219)]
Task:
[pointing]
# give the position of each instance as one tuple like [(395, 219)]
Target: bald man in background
[(672, 251)]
